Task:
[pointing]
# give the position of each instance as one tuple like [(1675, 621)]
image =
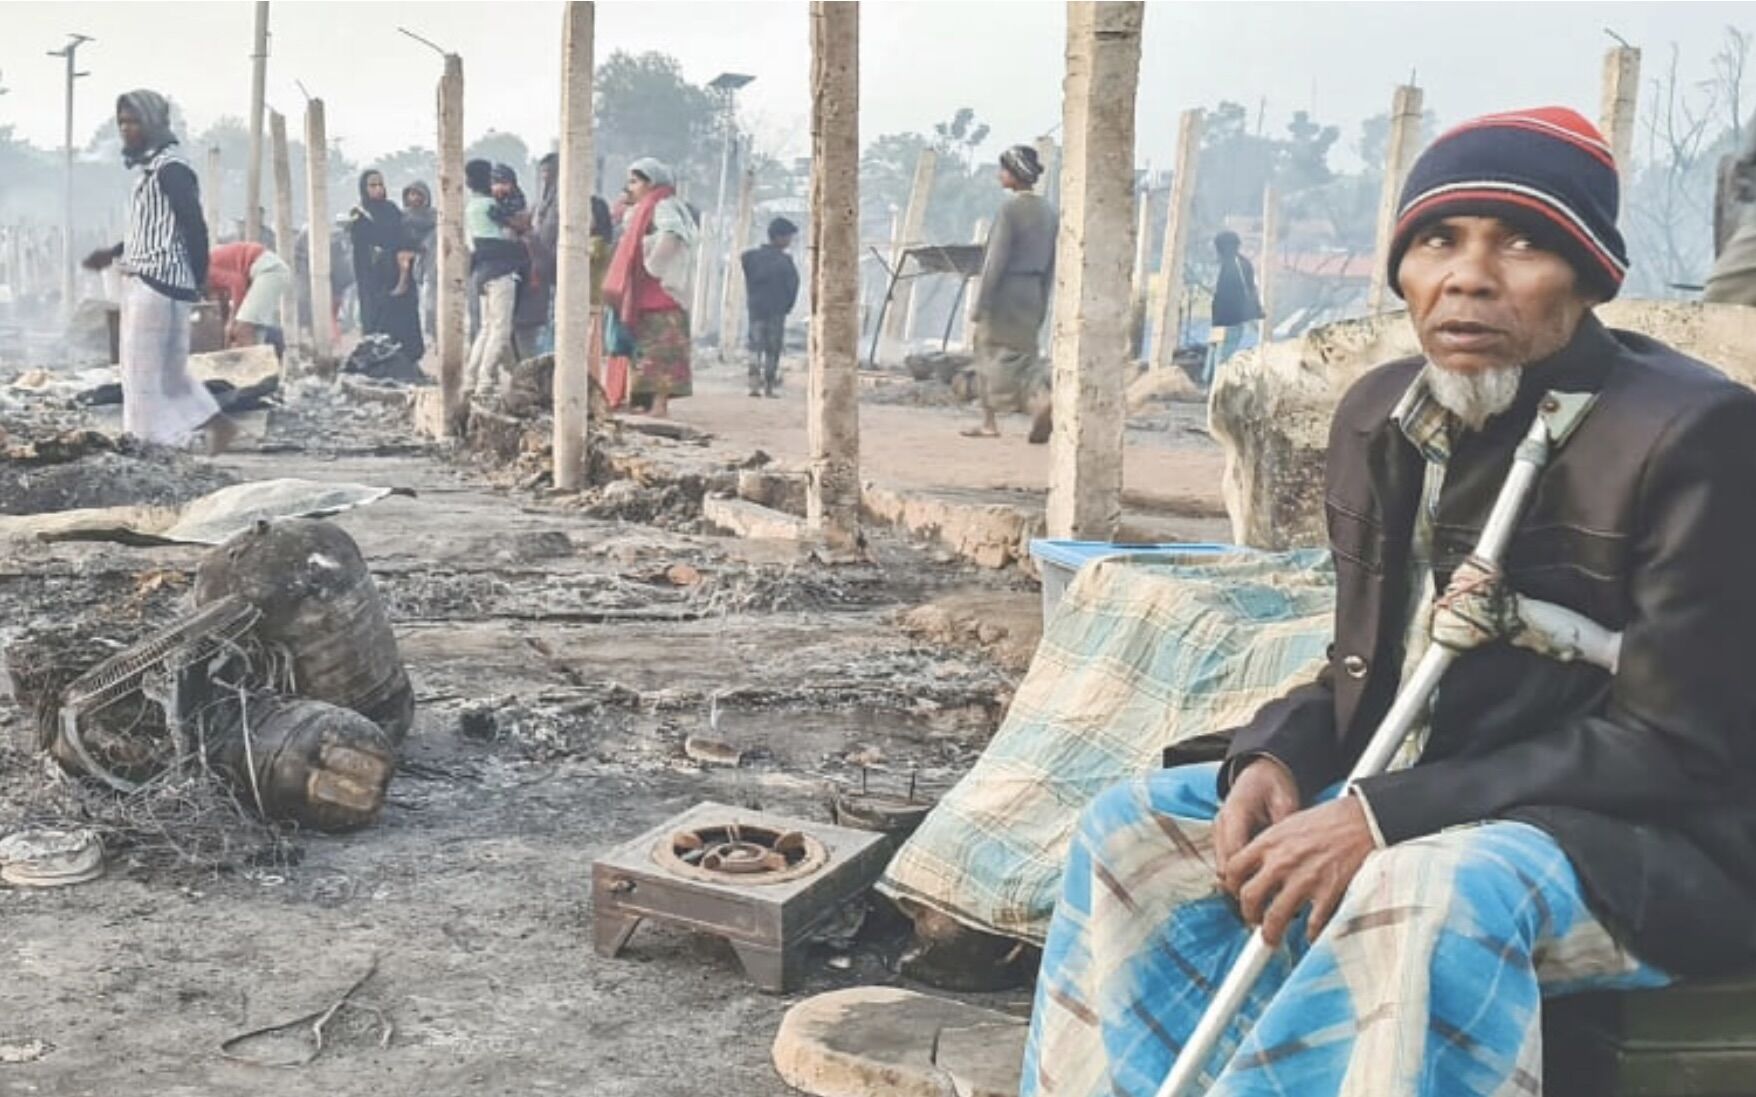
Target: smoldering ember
[(877, 549)]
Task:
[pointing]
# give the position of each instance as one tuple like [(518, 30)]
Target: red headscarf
[(628, 287)]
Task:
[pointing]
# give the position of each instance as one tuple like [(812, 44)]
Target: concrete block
[(1165, 384), (369, 392), (782, 491), (888, 1042), (427, 409), (662, 428), (983, 530), (747, 519), (1007, 625), (494, 434), (530, 387), (242, 366)]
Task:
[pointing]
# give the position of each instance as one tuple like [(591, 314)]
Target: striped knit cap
[(1022, 161), (1546, 170)]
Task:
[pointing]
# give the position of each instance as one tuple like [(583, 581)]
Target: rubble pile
[(280, 698), (48, 470), (551, 728), (611, 723), (326, 417), (662, 593), (926, 393), (184, 819), (673, 505)]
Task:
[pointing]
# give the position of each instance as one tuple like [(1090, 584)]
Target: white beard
[(1474, 397)]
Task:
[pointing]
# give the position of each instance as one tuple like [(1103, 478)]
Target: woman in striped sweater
[(164, 263)]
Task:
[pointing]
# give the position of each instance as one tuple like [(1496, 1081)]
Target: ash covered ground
[(563, 651)]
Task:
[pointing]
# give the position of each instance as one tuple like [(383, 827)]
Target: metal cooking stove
[(763, 882)]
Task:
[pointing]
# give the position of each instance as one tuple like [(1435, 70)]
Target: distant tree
[(410, 165), (1306, 162), (106, 143), (1374, 143), (887, 171), (964, 189), (646, 108), (30, 178), (777, 179), (961, 135), (1728, 72), (18, 157), (1668, 211), (231, 136), (1349, 203), (499, 147), (1235, 164)]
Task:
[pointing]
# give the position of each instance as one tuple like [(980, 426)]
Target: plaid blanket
[(1143, 652)]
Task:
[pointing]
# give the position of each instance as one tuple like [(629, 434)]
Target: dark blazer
[(1645, 521)]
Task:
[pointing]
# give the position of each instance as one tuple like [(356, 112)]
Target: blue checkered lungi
[(1428, 981)]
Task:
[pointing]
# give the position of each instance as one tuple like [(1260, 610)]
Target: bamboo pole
[(213, 183), (1621, 95), (258, 80), (283, 216), (732, 302), (574, 276), (833, 411), (1093, 254), (973, 290), (453, 325), (1268, 262), (1141, 283), (1405, 121), (913, 228), (317, 235), (706, 254), (1167, 332)]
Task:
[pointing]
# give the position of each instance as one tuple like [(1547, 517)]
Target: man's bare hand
[(1263, 794), (1308, 859)]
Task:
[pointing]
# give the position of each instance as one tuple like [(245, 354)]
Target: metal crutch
[(1558, 416)]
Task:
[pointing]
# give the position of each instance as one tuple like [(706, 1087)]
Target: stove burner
[(765, 883), (745, 852)]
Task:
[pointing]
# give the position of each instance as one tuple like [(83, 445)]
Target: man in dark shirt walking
[(771, 286), (1236, 306)]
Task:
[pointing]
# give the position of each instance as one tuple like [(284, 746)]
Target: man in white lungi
[(164, 266)]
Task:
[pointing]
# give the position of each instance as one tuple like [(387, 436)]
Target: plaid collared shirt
[(1430, 429)]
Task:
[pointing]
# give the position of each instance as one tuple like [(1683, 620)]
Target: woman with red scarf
[(648, 285)]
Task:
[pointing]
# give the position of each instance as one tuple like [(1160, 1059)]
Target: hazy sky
[(919, 61)]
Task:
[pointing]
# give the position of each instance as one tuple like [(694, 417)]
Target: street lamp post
[(74, 41), (727, 85)]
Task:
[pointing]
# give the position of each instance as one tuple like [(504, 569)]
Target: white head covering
[(656, 171)]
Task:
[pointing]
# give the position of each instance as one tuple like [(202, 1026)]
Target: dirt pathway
[(1169, 461)]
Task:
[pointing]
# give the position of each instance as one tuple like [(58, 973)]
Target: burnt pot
[(321, 766), (318, 601)]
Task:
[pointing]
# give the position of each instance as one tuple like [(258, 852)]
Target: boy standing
[(771, 287)]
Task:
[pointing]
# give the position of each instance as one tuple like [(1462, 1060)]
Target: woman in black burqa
[(388, 306)]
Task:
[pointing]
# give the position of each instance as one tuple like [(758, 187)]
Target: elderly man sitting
[(1561, 827)]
